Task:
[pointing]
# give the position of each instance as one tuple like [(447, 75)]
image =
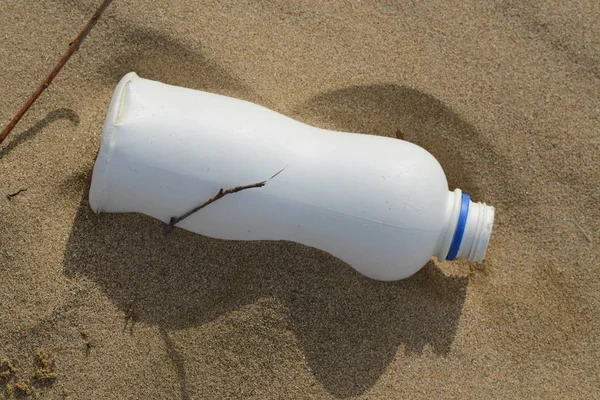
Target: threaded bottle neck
[(472, 227), (478, 229)]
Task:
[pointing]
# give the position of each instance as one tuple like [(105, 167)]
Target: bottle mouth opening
[(473, 231)]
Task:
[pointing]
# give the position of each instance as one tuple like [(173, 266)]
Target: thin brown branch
[(73, 47), (222, 193), (18, 192)]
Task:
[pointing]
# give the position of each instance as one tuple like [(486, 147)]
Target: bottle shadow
[(349, 327)]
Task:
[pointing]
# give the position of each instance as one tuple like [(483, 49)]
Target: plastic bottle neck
[(469, 229)]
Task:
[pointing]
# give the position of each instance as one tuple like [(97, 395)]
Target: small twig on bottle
[(73, 47), (222, 193), (18, 192)]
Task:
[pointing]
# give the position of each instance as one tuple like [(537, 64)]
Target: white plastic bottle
[(382, 205)]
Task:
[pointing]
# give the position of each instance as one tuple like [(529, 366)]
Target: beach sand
[(504, 93)]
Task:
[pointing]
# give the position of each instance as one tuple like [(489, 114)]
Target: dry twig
[(73, 47), (222, 193), (18, 192)]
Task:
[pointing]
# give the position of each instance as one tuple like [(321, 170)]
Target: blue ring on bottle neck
[(460, 228)]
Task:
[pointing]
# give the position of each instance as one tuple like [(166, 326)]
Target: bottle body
[(382, 205)]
